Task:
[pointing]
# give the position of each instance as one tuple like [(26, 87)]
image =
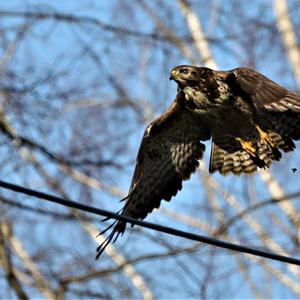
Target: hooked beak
[(173, 75)]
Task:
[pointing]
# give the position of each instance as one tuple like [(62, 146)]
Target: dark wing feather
[(168, 154), (278, 107), (275, 110), (265, 93)]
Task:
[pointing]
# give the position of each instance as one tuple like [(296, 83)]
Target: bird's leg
[(247, 146), (264, 137)]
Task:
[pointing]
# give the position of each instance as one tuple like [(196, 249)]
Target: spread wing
[(265, 93), (168, 154), (275, 104), (271, 123)]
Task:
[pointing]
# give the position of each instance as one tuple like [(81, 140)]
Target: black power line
[(168, 230)]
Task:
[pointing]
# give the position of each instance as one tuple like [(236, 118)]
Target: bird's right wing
[(168, 154)]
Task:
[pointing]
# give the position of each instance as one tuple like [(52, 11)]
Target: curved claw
[(264, 137), (247, 146)]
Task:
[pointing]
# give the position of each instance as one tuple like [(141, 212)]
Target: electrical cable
[(168, 230)]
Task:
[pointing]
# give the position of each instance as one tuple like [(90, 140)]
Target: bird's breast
[(206, 101), (197, 100)]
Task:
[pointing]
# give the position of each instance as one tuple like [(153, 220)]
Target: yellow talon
[(247, 146), (264, 137)]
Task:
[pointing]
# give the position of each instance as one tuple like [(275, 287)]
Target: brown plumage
[(169, 153), (250, 118)]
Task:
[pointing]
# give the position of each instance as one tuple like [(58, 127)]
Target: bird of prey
[(249, 118)]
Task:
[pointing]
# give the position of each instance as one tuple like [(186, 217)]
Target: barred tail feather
[(237, 162), (227, 155), (284, 143)]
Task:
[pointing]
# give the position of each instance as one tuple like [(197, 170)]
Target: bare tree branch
[(288, 36), (19, 249), (6, 262), (197, 34)]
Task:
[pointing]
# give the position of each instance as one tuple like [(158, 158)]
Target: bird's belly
[(223, 113), (232, 122)]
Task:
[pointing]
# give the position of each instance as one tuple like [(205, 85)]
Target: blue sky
[(144, 68)]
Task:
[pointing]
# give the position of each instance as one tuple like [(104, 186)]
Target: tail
[(228, 156)]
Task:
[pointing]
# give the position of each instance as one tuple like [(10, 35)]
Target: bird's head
[(190, 75)]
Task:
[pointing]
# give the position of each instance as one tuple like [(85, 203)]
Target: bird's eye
[(184, 71)]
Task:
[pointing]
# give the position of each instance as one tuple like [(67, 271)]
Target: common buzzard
[(250, 119)]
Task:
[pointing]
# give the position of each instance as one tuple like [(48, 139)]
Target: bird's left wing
[(275, 104), (265, 93), (168, 154)]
